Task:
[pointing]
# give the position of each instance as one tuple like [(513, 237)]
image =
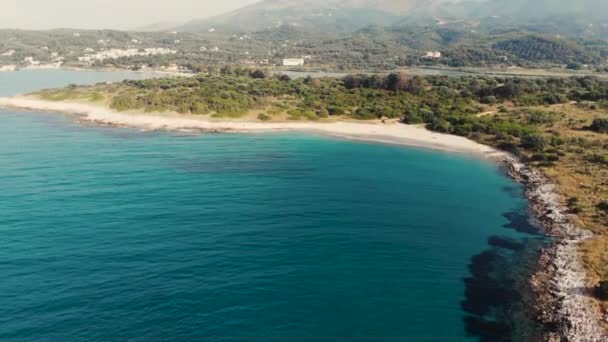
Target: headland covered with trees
[(559, 125)]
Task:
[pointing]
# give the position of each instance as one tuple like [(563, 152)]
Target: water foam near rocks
[(565, 305)]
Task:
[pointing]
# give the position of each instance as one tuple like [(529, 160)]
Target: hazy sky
[(122, 14)]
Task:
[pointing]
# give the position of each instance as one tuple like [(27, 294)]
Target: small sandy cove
[(390, 133)]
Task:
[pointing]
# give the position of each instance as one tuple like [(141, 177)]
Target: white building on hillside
[(433, 55), (293, 61), (31, 61)]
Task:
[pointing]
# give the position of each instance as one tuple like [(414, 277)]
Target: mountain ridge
[(329, 15), (344, 16)]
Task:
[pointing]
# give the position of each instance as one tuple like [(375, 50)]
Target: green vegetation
[(531, 47), (72, 93), (370, 48), (603, 206), (264, 117), (600, 125), (444, 104)]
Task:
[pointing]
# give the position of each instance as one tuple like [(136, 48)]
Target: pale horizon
[(107, 14)]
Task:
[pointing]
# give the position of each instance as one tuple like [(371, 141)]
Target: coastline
[(159, 72), (390, 133), (563, 302)]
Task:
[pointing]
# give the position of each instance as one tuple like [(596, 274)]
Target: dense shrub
[(600, 125), (603, 206)]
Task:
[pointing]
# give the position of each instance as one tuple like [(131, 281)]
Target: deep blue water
[(111, 234)]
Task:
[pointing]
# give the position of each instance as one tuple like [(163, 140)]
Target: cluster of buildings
[(91, 58)]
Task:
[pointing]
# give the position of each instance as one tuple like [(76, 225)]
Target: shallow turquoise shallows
[(113, 234)]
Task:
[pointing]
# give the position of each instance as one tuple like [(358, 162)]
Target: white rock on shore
[(566, 304)]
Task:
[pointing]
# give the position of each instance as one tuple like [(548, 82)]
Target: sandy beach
[(390, 133)]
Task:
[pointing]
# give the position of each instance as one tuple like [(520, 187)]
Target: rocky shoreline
[(564, 302)]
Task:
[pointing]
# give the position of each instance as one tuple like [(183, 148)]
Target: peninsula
[(551, 134)]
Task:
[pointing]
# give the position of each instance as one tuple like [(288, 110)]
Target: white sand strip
[(393, 133)]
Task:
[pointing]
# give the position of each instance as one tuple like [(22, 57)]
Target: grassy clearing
[(580, 173), (229, 115), (74, 94)]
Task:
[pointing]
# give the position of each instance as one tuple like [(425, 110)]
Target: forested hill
[(530, 47), (318, 15), (371, 48), (585, 17), (345, 35), (526, 9)]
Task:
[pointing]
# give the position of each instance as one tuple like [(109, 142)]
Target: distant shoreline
[(81, 69)]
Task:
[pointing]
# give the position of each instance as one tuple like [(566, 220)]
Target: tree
[(603, 206), (415, 85), (533, 142), (600, 125), (574, 66), (439, 125), (392, 82), (351, 81), (489, 99), (509, 90), (601, 290), (258, 73)]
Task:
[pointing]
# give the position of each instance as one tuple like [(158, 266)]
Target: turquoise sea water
[(111, 234)]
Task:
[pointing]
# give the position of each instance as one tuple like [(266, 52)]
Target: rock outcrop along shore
[(565, 305)]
